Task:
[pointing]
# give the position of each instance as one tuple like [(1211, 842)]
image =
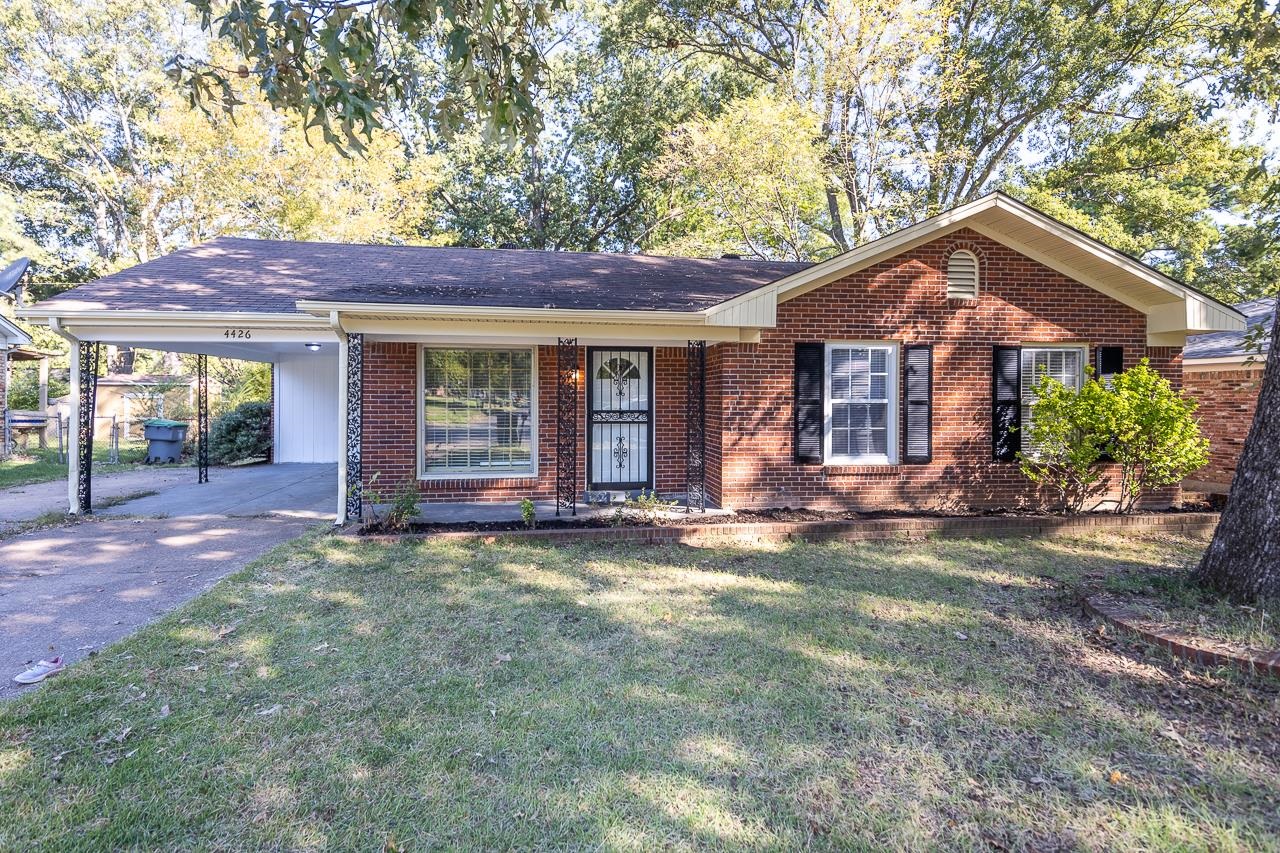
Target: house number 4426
[(242, 334)]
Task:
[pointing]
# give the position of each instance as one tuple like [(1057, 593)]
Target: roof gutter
[(486, 312)]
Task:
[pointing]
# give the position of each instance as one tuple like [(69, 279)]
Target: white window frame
[(522, 472), (892, 382), (1024, 394)]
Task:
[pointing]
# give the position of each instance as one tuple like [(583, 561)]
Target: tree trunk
[(1243, 560)]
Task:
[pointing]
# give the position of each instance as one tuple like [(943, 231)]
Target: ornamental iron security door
[(620, 413)]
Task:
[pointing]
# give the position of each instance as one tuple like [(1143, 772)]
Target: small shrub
[(1152, 432), (1062, 441), (1139, 422), (242, 433), (403, 506), (645, 507), (529, 513)]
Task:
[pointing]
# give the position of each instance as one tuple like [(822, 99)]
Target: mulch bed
[(783, 515)]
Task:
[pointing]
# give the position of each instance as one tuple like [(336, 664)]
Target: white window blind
[(478, 415), (1065, 364), (861, 394)]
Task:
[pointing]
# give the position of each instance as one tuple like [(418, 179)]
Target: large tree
[(1243, 560)]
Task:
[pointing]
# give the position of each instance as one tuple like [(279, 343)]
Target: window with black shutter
[(1006, 403), (917, 365), (1108, 361), (809, 409)]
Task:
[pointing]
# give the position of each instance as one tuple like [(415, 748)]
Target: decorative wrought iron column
[(695, 435), (88, 354), (202, 417), (355, 425), (567, 425)]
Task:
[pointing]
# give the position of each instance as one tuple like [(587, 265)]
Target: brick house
[(1224, 374), (893, 375)]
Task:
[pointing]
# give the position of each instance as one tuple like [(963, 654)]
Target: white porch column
[(73, 433), (342, 428)]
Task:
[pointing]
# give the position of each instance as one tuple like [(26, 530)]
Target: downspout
[(336, 323), (73, 431)]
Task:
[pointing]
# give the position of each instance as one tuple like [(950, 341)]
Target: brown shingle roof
[(234, 274)]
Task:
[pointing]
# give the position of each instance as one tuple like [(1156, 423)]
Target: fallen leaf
[(1116, 777), (164, 710), (1174, 736), (266, 712), (503, 658), (223, 633), (320, 647), (960, 635)]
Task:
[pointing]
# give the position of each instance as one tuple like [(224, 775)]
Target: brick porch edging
[(1186, 647), (870, 529)]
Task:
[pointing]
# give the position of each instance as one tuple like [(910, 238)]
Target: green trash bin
[(164, 439)]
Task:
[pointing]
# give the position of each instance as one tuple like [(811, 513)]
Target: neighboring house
[(15, 344), (1224, 373), (124, 400), (894, 375)]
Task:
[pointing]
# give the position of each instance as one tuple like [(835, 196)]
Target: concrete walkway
[(75, 589)]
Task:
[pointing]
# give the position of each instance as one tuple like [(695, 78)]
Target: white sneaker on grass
[(40, 671)]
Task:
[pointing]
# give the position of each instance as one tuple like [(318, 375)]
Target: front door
[(620, 410)]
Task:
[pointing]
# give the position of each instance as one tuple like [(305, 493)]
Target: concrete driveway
[(74, 589)]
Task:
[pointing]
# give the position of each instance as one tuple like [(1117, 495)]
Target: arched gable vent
[(962, 275)]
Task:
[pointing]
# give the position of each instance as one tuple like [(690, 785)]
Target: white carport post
[(73, 425)]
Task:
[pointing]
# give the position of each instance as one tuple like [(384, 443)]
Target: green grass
[(42, 466), (887, 695), (1171, 597)]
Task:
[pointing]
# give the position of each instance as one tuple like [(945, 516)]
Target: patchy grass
[(42, 466), (901, 695), (1169, 595)]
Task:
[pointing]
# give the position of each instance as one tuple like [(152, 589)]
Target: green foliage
[(1138, 421), (241, 434), (402, 509), (348, 68), (1155, 438), (750, 181), (1061, 445), (529, 513)]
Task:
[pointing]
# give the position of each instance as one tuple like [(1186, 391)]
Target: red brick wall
[(904, 299), (749, 389), (391, 431), (1226, 400)]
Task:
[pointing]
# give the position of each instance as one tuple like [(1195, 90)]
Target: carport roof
[(231, 274)]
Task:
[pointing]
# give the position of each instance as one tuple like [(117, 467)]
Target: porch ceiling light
[(314, 347)]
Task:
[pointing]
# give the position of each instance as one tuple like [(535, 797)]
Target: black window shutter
[(809, 386), (1006, 403), (1108, 361), (917, 363)]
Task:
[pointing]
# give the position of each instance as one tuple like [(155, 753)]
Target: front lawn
[(42, 466), (498, 696)]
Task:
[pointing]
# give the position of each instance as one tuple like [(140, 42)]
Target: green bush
[(1138, 421), (1061, 446), (242, 433)]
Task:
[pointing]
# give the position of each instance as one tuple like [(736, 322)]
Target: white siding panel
[(306, 408)]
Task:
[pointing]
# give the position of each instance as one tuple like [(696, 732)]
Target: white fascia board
[(855, 259), (12, 335), (1225, 362), (489, 312), (1198, 312), (179, 319)]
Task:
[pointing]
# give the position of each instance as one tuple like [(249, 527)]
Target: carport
[(304, 352)]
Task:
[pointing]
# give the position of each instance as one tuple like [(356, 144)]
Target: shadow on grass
[(882, 694)]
